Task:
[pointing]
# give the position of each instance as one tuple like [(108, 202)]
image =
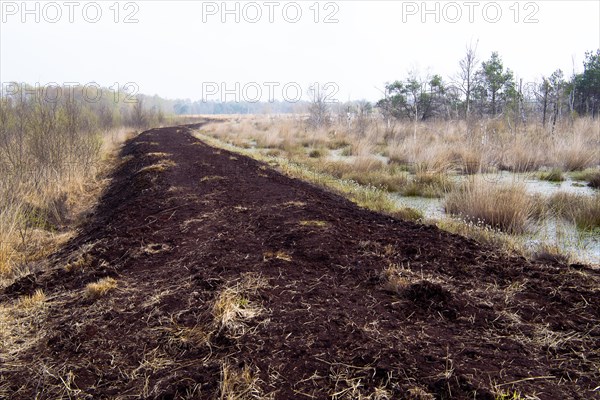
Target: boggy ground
[(233, 281)]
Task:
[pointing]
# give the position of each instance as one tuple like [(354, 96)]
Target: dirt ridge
[(229, 273)]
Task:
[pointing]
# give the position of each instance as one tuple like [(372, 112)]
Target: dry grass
[(9, 229), (364, 171), (440, 146), (483, 234), (314, 223), (160, 155), (318, 153), (427, 184), (238, 384), (233, 308), (100, 288), (213, 178), (22, 327), (278, 255), (425, 164), (37, 299), (79, 263), (183, 337), (554, 175), (550, 253), (575, 152), (507, 207), (39, 210), (395, 279), (160, 166), (587, 174), (584, 211)]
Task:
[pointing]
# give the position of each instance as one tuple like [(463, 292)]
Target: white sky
[(171, 51)]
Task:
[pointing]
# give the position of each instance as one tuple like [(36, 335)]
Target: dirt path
[(231, 278)]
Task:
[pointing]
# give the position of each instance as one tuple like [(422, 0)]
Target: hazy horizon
[(183, 49)]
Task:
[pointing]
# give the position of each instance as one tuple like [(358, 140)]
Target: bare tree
[(542, 95), (319, 114), (466, 76), (363, 111), (138, 115)]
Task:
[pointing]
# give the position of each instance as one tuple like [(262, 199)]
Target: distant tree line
[(48, 132), (189, 107), (488, 89)]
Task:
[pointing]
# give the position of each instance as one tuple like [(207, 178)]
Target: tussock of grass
[(554, 175), (380, 179), (469, 160), (37, 299), (506, 207), (273, 153), (539, 207), (335, 143), (408, 214), (357, 166), (524, 157), (577, 154), (424, 184), (98, 289), (317, 153), (589, 175), (583, 210), (585, 175)]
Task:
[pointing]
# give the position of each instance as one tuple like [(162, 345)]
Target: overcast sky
[(187, 49)]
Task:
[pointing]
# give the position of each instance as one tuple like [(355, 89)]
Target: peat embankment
[(232, 278)]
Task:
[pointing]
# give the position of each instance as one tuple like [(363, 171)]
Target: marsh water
[(582, 246)]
